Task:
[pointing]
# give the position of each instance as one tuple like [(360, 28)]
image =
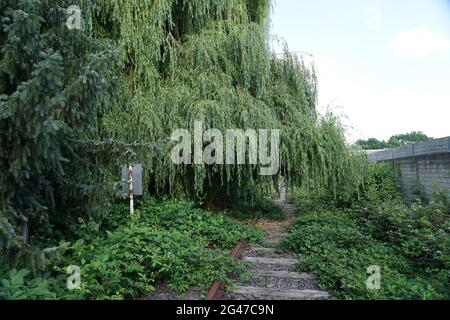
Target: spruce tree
[(53, 84)]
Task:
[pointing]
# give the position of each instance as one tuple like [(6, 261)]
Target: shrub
[(380, 184), (132, 259), (340, 245), (250, 202), (410, 243), (122, 257), (168, 240), (17, 284)]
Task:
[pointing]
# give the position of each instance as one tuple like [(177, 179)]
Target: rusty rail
[(219, 286)]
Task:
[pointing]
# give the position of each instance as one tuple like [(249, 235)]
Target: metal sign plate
[(137, 179)]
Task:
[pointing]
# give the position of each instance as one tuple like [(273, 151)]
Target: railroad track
[(273, 274)]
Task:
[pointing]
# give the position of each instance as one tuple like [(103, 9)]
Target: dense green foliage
[(250, 202), (53, 89), (125, 258), (75, 104), (16, 286), (210, 61), (410, 243), (394, 141)]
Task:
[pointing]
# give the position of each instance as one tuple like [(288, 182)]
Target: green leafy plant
[(418, 190), (334, 245), (170, 241), (17, 285), (410, 243)]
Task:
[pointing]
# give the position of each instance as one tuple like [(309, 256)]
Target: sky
[(382, 65)]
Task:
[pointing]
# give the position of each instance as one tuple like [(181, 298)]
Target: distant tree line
[(394, 141)]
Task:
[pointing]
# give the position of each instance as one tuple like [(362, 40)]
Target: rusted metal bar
[(218, 288)]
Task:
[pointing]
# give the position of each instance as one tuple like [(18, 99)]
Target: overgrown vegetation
[(122, 258), (76, 104), (210, 61), (54, 86), (410, 243), (250, 202)]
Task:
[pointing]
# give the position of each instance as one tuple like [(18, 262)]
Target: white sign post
[(132, 182), (130, 189)]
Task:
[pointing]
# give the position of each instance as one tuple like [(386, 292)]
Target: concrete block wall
[(426, 162)]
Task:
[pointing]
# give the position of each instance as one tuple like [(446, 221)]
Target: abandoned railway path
[(273, 274)]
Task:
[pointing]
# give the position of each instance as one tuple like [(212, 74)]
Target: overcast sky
[(384, 63)]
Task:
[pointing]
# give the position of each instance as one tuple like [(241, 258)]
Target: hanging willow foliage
[(210, 61), (75, 104)]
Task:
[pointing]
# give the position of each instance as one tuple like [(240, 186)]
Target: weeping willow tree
[(210, 61), (164, 64)]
